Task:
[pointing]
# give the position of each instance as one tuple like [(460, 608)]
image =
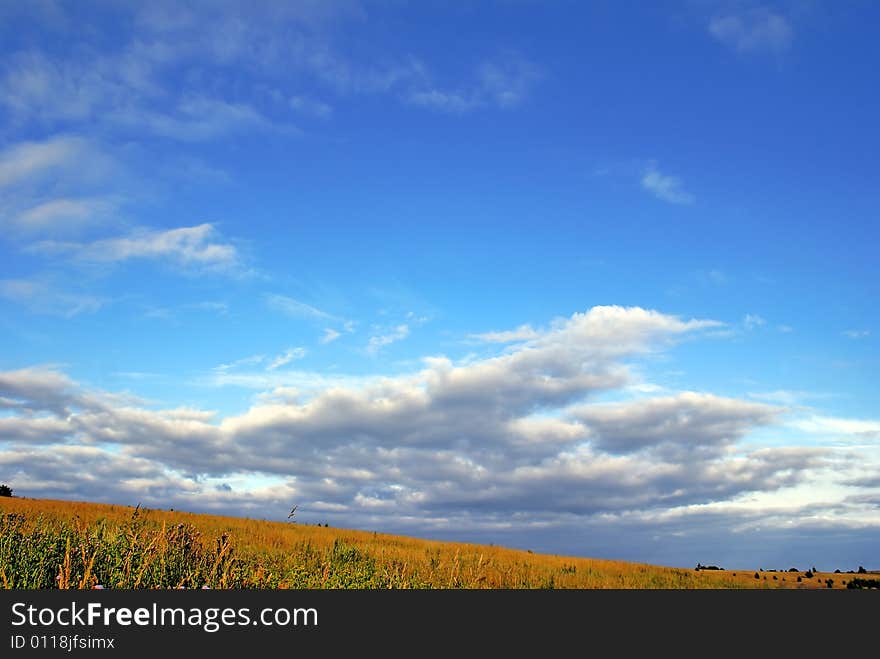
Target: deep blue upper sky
[(636, 241)]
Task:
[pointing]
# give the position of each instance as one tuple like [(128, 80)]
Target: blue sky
[(587, 278)]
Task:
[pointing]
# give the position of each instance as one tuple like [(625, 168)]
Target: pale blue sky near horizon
[(566, 274)]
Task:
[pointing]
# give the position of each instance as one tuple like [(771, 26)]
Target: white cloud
[(751, 321), (521, 333), (785, 329), (45, 297), (666, 188), (785, 396), (295, 308), (502, 82), (330, 335), (194, 247), (28, 159), (688, 422), (244, 361), (310, 106), (376, 343), (65, 213), (857, 334), (199, 119), (512, 441), (285, 358), (445, 101), (840, 427), (758, 30)]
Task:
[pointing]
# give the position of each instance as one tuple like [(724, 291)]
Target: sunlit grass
[(59, 544)]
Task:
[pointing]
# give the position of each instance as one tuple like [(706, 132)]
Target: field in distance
[(62, 544)]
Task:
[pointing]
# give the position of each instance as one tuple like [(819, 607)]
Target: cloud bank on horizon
[(310, 254)]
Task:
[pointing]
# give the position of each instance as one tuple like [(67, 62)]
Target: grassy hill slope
[(51, 544)]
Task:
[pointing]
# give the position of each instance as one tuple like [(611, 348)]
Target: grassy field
[(61, 544)]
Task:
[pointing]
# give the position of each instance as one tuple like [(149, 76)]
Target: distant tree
[(862, 570), (5, 490)]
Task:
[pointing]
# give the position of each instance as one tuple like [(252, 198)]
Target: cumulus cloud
[(758, 30), (666, 188), (689, 422), (493, 444)]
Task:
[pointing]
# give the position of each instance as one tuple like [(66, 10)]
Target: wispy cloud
[(310, 106), (666, 188), (294, 308), (758, 30), (502, 83), (376, 343), (25, 160), (285, 358), (752, 321), (199, 119), (856, 333), (194, 247), (65, 213), (250, 360), (521, 333), (841, 427), (330, 335), (786, 396), (44, 297)]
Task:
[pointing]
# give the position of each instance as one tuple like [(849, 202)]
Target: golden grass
[(66, 544)]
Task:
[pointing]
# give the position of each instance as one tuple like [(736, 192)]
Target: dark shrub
[(855, 584), (5, 490)]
